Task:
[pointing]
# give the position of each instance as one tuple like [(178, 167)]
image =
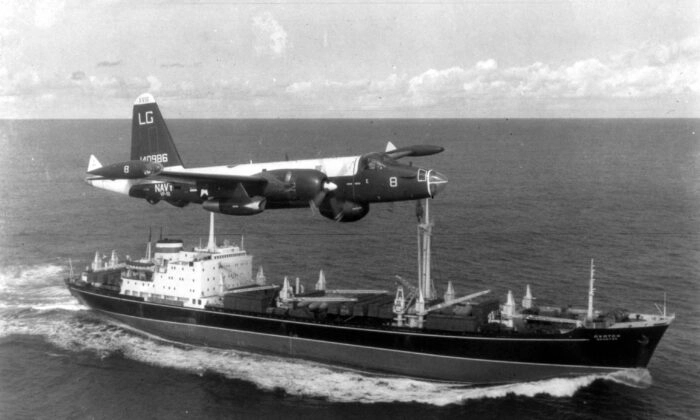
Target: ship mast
[(148, 246), (591, 292), (425, 228), (211, 245)]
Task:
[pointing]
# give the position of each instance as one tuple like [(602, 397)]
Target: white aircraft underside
[(332, 167)]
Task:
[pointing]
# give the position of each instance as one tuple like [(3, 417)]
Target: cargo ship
[(210, 296)]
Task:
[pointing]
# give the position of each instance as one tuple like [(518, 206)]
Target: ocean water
[(528, 202)]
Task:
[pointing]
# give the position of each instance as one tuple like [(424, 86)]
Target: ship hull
[(472, 359)]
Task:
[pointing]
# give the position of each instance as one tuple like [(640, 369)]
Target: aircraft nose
[(436, 182)]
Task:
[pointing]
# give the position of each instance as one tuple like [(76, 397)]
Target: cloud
[(650, 71), (270, 36), (434, 86), (641, 74), (48, 12), (487, 65), (78, 75), (42, 14), (154, 84), (17, 83), (29, 83), (109, 63)]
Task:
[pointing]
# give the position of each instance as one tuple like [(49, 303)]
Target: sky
[(351, 59)]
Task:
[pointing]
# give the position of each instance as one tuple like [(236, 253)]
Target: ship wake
[(37, 288)]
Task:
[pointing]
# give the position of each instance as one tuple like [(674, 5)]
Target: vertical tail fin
[(150, 138)]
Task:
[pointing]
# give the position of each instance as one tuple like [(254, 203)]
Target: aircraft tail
[(150, 138)]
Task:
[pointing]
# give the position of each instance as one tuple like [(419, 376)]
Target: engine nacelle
[(131, 169), (342, 210), (229, 206), (289, 185)]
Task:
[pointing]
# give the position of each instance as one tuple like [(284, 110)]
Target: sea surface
[(528, 202)]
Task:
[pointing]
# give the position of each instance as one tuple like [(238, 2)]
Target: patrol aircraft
[(339, 188)]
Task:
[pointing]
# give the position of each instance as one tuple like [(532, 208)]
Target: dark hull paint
[(472, 358)]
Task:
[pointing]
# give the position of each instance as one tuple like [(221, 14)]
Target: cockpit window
[(376, 161), (373, 163)]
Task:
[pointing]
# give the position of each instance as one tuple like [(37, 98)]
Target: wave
[(42, 307), (85, 331), (38, 287), (13, 277)]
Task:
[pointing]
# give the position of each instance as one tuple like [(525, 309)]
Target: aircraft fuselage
[(377, 183)]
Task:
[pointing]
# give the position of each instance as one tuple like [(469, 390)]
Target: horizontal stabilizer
[(93, 164)]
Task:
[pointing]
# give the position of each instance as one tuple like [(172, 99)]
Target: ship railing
[(246, 289), (646, 320), (333, 299), (356, 292), (552, 319)]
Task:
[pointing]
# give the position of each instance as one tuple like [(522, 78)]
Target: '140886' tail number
[(159, 158)]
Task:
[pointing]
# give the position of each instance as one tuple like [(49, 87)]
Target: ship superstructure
[(191, 278), (209, 296)]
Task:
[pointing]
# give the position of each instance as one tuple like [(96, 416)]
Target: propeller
[(335, 204), (337, 207), (326, 187)]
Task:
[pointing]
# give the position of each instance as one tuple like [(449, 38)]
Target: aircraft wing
[(214, 178), (253, 184)]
